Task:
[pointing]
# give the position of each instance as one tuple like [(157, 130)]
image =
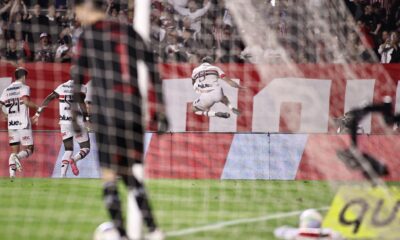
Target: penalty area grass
[(185, 209)]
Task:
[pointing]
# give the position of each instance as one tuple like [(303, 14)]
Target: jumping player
[(64, 92), (109, 51), (205, 82), (16, 100)]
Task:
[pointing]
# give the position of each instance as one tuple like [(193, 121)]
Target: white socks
[(24, 154), (82, 154), (65, 162), (205, 113), (12, 167)]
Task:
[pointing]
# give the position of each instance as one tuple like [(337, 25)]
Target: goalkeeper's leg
[(112, 200), (135, 184)]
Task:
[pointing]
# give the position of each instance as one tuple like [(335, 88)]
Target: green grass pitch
[(185, 209)]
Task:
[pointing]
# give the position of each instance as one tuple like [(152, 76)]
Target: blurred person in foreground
[(109, 51)]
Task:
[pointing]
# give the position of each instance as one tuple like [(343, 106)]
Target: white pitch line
[(224, 224)]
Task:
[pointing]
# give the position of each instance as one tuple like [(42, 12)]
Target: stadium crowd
[(187, 30)]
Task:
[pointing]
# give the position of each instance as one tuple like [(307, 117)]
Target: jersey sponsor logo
[(204, 85), (14, 123), (13, 88), (67, 86), (26, 138), (65, 118), (12, 94)]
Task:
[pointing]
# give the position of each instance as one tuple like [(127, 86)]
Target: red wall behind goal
[(342, 83)]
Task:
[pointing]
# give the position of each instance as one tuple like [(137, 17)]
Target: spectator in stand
[(218, 30), (123, 16), (15, 54), (39, 23), (18, 10), (395, 53), (5, 7), (54, 26), (356, 7), (393, 22), (385, 48), (76, 31), (3, 45), (234, 53), (112, 10), (173, 51), (367, 41), (193, 12), (371, 20), (157, 32), (45, 52), (180, 3), (188, 43), (64, 50)]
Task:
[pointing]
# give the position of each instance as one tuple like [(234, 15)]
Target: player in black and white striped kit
[(109, 51)]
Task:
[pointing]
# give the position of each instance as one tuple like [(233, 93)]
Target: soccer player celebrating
[(64, 93), (205, 82), (16, 99), (109, 51)]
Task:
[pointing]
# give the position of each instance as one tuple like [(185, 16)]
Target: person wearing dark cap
[(15, 99), (109, 51)]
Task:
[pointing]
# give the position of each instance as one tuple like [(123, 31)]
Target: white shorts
[(67, 131), (20, 136), (206, 100)]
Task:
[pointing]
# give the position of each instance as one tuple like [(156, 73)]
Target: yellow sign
[(360, 212)]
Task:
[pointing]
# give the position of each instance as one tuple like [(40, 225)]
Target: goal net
[(262, 98)]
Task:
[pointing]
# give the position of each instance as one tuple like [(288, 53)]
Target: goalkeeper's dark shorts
[(120, 146)]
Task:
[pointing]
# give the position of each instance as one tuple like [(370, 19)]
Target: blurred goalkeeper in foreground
[(109, 51)]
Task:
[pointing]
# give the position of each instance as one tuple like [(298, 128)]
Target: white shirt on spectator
[(180, 3), (194, 16), (385, 50)]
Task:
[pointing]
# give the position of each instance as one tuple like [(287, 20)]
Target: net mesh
[(293, 69)]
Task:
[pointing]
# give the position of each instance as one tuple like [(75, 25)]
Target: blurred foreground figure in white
[(309, 228)]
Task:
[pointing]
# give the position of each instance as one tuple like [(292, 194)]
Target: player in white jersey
[(64, 92), (310, 228), (88, 97), (205, 80), (16, 100)]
